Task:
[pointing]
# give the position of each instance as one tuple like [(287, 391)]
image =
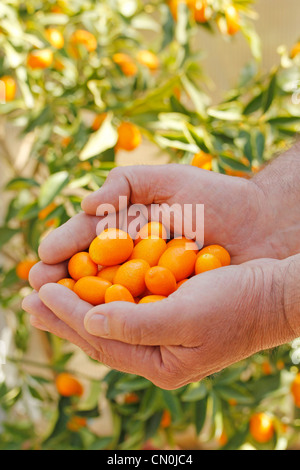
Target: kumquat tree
[(83, 84)]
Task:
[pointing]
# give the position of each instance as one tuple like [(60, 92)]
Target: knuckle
[(115, 173), (130, 332)]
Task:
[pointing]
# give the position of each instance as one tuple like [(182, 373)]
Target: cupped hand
[(209, 323)]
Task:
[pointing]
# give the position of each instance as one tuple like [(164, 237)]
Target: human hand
[(215, 319)]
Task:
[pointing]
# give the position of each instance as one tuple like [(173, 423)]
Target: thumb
[(153, 324), (141, 184)]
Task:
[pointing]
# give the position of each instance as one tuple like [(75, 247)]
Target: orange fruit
[(149, 249), (166, 419), (233, 20), (118, 293), (232, 402), (151, 298), (81, 265), (177, 92), (92, 289), (59, 65), (173, 5), (76, 423), (160, 281), (266, 368), (55, 38), (129, 137), (185, 242), (223, 439), (66, 141), (207, 262), (219, 252), (84, 38), (98, 121), (120, 58), (200, 11), (108, 273), (179, 284), (126, 64), (43, 214), (68, 386), (41, 59), (129, 69), (67, 282), (148, 59), (151, 230), (132, 276), (179, 261), (295, 50), (131, 398), (202, 160), (111, 247), (262, 427), (56, 9), (23, 269), (280, 365), (295, 390), (10, 86)]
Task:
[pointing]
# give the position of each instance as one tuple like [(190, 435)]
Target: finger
[(44, 319), (141, 360), (154, 324), (34, 321), (144, 184), (42, 273), (72, 237), (68, 307)]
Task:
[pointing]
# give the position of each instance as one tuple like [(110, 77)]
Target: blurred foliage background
[(84, 84)]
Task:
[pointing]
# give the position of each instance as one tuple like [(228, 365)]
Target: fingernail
[(96, 324)]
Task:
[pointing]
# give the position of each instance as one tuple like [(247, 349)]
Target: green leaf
[(237, 440), (199, 99), (6, 234), (61, 420), (195, 392), (253, 39), (248, 151), (173, 404), (233, 163), (11, 397), (260, 142), (101, 443), (105, 138), (52, 187), (152, 425), (91, 413), (200, 414), (282, 120), (129, 384), (229, 375), (61, 362), (198, 139), (30, 211), (225, 115), (10, 278), (17, 184), (254, 104), (150, 403), (270, 93), (44, 117), (35, 393), (241, 395), (177, 107)]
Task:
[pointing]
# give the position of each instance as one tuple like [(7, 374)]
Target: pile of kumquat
[(147, 269)]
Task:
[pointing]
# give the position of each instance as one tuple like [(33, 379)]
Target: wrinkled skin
[(216, 318)]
